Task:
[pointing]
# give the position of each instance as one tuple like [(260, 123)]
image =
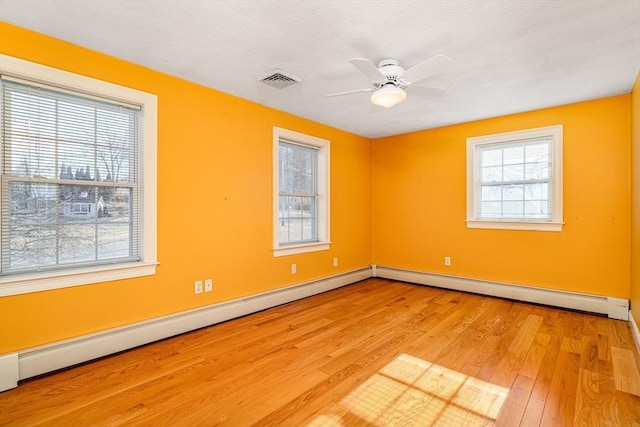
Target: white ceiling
[(507, 56)]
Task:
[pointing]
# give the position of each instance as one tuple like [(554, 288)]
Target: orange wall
[(635, 200), (419, 204), (214, 204)]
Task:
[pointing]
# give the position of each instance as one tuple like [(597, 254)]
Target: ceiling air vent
[(279, 79)]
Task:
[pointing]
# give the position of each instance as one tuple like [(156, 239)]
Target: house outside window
[(78, 194), (301, 183), (514, 180)]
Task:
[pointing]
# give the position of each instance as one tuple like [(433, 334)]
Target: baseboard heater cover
[(36, 361), (616, 308)]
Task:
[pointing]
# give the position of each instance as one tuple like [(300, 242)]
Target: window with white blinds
[(70, 179), (301, 216), (78, 179), (515, 180)]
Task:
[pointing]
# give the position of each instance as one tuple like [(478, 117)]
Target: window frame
[(323, 224), (55, 279), (473, 184)]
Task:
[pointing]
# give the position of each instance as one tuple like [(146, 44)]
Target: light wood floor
[(377, 352)]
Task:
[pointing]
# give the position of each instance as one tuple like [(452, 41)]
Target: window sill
[(301, 249), (515, 225), (37, 282)]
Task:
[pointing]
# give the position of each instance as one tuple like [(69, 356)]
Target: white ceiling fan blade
[(425, 69), (368, 69), (426, 91), (349, 92)]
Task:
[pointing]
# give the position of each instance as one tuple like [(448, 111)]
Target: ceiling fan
[(390, 80)]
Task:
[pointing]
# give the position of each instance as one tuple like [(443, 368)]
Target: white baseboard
[(635, 331), (39, 360), (615, 308)]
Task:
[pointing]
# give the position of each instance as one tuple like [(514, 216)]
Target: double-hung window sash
[(514, 180), (70, 176), (298, 193)]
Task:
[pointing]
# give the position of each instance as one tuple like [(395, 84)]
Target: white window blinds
[(69, 194)]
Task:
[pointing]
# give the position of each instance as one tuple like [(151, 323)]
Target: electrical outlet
[(294, 269), (447, 260), (198, 287), (335, 262), (208, 285)]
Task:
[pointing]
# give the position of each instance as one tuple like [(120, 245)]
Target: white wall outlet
[(198, 287), (294, 269), (335, 261), (208, 285), (447, 260)]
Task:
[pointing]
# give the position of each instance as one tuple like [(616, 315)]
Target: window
[(78, 193), (514, 180), (301, 188)]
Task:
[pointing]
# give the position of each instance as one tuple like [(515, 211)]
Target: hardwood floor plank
[(589, 354), (533, 413), (555, 325), (526, 334), (560, 403), (589, 401), (377, 352), (535, 356), (516, 403), (625, 370)]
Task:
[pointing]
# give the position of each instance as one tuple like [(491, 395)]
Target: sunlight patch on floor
[(412, 391)]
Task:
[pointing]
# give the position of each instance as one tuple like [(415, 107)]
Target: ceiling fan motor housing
[(393, 73)]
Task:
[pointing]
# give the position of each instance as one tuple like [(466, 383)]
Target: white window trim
[(324, 241), (20, 284), (472, 182)]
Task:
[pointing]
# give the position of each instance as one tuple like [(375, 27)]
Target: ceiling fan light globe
[(388, 96)]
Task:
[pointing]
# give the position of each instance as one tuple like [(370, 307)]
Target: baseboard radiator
[(615, 308), (62, 354)]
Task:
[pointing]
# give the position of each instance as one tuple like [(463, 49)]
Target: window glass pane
[(113, 240), (491, 157), (536, 209), (514, 172), (536, 191), (30, 245), (113, 204), (31, 157), (76, 162), (537, 153), (491, 209), (538, 170), (25, 122), (512, 192), (32, 203), (491, 192), (77, 240), (76, 123), (513, 209), (513, 155), (492, 174)]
